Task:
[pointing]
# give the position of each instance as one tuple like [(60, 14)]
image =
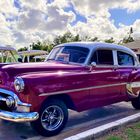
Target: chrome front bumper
[(18, 117), (22, 110)]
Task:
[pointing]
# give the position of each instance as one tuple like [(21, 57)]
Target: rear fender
[(133, 86)]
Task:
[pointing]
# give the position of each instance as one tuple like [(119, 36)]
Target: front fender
[(43, 85)]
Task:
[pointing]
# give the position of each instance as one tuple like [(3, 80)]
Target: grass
[(130, 132), (114, 138)]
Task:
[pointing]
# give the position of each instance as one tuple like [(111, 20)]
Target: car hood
[(16, 69)]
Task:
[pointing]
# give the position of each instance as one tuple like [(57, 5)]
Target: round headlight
[(19, 84)]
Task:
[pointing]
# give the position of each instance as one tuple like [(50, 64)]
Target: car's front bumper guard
[(18, 116)]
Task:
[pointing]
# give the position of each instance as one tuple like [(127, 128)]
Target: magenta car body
[(77, 76)]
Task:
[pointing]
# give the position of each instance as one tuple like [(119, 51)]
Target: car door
[(104, 79), (126, 68)]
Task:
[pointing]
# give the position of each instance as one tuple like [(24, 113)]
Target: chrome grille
[(3, 104)]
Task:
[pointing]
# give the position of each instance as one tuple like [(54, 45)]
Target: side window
[(102, 57), (125, 59)]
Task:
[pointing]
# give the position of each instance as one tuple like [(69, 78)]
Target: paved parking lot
[(78, 122)]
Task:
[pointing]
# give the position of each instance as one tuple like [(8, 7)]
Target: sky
[(25, 21)]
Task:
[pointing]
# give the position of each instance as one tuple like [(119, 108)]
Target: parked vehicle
[(40, 58), (8, 55), (30, 55), (77, 76)]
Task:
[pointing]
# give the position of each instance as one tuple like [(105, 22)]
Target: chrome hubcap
[(52, 118)]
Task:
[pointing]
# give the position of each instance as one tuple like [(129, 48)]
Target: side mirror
[(19, 59), (93, 64)]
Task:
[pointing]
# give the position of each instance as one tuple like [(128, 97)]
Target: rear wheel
[(136, 103), (52, 118)]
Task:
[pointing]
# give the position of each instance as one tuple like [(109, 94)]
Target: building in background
[(135, 46)]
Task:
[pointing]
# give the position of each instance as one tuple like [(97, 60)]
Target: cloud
[(60, 3), (5, 33), (38, 24), (58, 19), (32, 20), (98, 18), (89, 7), (96, 27), (136, 30), (8, 9), (33, 4)]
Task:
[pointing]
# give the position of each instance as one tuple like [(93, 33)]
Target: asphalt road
[(78, 122)]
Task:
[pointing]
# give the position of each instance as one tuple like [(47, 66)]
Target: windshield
[(69, 54), (8, 56)]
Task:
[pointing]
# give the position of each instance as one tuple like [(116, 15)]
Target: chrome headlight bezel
[(10, 102), (19, 84)]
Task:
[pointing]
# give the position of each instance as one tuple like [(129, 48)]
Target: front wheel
[(136, 103), (52, 118)]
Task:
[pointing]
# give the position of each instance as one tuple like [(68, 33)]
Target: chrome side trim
[(10, 93), (18, 117), (135, 84), (81, 89), (130, 87)]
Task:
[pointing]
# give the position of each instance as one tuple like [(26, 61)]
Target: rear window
[(125, 59)]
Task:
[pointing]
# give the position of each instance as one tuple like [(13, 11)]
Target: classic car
[(77, 76), (33, 55), (9, 55)]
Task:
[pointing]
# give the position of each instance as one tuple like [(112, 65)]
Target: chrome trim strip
[(135, 84), (18, 102), (81, 89), (18, 117)]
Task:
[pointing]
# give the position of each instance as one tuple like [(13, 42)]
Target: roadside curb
[(102, 130)]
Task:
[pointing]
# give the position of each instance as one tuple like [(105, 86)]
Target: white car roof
[(32, 52), (8, 48), (99, 45)]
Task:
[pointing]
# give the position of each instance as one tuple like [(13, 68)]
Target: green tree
[(23, 49), (76, 38), (129, 38), (67, 37), (111, 40), (47, 46), (37, 46), (94, 39)]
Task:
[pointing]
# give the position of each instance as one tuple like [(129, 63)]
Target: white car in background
[(9, 55), (33, 55)]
